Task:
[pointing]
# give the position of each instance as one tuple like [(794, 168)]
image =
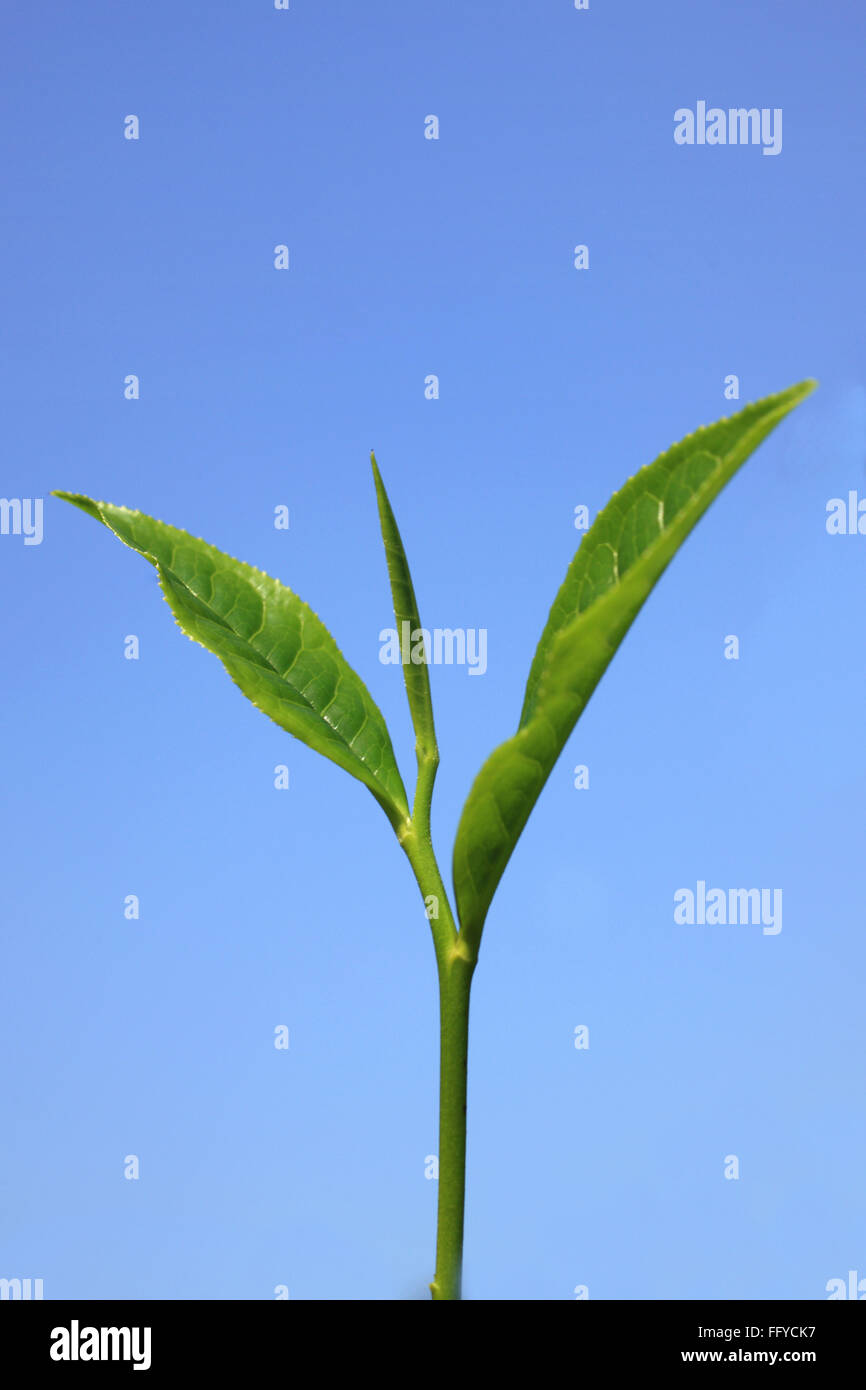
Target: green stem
[(455, 963), (455, 981)]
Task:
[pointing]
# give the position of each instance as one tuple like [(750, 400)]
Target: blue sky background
[(258, 387)]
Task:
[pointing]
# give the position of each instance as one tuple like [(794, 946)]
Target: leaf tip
[(805, 388), (786, 401), (77, 499)]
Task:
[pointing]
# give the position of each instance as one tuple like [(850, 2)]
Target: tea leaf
[(415, 674), (273, 646), (616, 566)]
